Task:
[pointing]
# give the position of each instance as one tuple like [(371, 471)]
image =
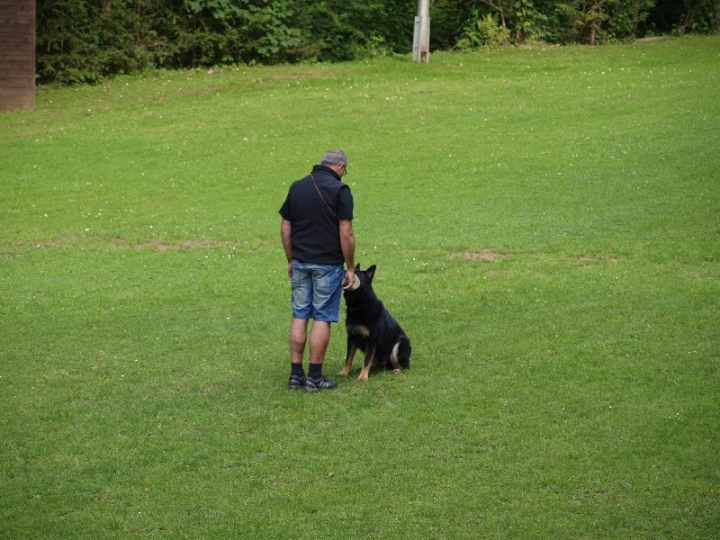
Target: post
[(421, 34), (17, 54)]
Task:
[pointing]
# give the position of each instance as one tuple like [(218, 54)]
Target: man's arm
[(347, 243), (285, 229)]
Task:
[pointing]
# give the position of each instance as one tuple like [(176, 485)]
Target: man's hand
[(290, 270), (349, 278)]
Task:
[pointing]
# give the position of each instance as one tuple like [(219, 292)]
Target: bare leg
[(319, 340), (298, 338)]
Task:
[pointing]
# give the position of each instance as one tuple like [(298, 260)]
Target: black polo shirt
[(314, 233)]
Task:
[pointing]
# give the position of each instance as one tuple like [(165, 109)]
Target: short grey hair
[(334, 157)]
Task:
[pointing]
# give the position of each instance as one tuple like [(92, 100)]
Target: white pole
[(421, 35)]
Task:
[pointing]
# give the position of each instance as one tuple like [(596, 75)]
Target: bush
[(86, 40), (485, 32)]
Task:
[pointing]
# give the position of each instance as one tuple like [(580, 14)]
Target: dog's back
[(372, 329)]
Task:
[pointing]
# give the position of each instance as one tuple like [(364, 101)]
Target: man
[(318, 237)]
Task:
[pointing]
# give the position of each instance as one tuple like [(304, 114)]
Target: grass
[(546, 225)]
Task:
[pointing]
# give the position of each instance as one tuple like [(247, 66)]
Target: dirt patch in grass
[(189, 244), (199, 243), (487, 254), (120, 243), (597, 257)]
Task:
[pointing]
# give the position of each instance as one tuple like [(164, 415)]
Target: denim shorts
[(316, 291)]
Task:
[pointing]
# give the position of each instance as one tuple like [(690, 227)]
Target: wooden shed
[(17, 54)]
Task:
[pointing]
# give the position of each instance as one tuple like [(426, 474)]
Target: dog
[(372, 329)]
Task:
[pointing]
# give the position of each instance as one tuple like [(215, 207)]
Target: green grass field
[(546, 225)]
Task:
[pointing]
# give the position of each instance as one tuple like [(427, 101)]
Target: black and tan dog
[(372, 329)]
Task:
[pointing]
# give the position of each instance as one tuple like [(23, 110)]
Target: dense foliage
[(84, 40)]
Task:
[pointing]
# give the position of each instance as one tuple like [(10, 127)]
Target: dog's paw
[(344, 372), (363, 378), (397, 371)]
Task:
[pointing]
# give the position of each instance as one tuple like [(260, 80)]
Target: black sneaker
[(316, 384), (296, 382)]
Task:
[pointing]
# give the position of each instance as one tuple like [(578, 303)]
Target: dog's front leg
[(351, 348), (367, 363)]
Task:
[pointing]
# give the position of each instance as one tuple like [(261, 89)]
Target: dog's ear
[(357, 267), (370, 272)]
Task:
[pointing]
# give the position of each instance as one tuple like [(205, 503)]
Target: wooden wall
[(17, 54)]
